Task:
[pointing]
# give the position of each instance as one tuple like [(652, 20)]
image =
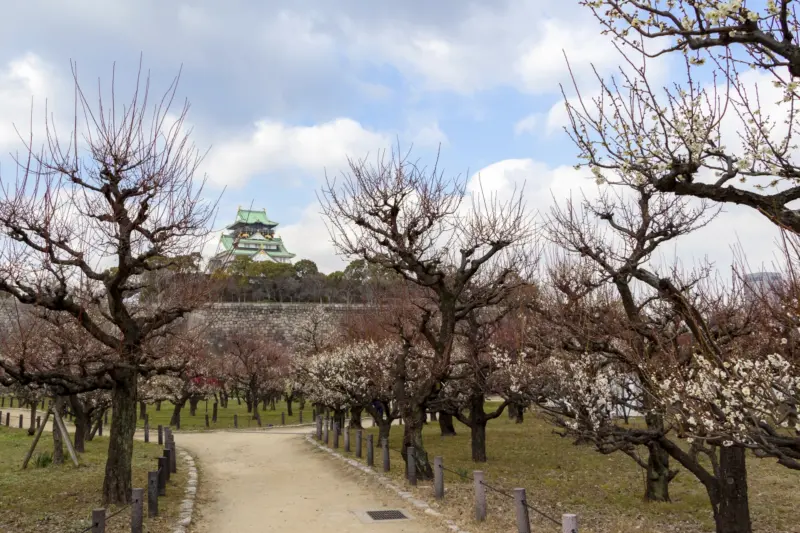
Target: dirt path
[(274, 481), (26, 417)]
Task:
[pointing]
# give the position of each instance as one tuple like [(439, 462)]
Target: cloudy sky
[(283, 91)]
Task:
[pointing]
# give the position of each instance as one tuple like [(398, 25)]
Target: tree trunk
[(272, 404), (658, 475), (32, 424), (158, 405), (81, 423), (289, 405), (117, 481), (58, 444), (193, 401), (176, 411), (412, 436), (302, 403), (355, 417), (477, 428), (512, 411), (520, 414), (446, 424), (142, 410), (731, 505)]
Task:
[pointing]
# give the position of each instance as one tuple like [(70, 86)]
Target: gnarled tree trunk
[(355, 417), (731, 504), (32, 424), (117, 481), (412, 436), (193, 401), (81, 423), (658, 473), (446, 426)]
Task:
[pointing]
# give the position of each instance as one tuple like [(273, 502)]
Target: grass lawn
[(604, 490), (60, 499), (224, 416)]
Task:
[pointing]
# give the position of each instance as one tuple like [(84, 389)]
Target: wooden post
[(569, 523), (35, 440), (152, 494), (146, 432), (438, 478), (335, 436), (521, 504), (173, 458), (347, 440), (411, 466), (137, 510), (168, 462), (207, 423), (480, 496), (163, 472), (359, 437), (20, 421), (283, 418), (99, 521), (235, 421), (160, 435), (370, 451), (57, 420), (386, 462)]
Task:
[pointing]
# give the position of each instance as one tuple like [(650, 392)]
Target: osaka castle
[(251, 235)]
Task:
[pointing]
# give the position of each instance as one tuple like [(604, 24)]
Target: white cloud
[(527, 124), (308, 238), (542, 185), (428, 135), (273, 146), (24, 82)]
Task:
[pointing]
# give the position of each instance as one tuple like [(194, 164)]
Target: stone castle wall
[(281, 320)]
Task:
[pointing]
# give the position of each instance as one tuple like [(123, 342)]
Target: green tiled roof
[(247, 216)]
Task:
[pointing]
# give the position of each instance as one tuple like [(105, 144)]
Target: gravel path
[(273, 481)]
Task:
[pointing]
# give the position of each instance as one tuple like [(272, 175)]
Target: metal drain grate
[(391, 514)]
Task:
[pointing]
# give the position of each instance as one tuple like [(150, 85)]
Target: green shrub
[(43, 460)]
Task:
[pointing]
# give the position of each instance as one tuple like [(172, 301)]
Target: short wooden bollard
[(521, 505), (152, 494), (207, 422), (146, 432), (370, 451), (236, 421), (173, 458), (347, 440), (283, 418), (168, 462), (38, 421), (411, 466), (335, 436), (480, 496), (160, 435), (359, 437), (137, 510), (569, 523), (20, 421), (386, 462), (163, 472), (438, 478), (98, 521)]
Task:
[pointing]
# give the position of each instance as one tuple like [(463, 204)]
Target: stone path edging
[(187, 505), (386, 482)]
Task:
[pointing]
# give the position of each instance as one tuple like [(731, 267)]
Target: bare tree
[(412, 220), (85, 220)]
